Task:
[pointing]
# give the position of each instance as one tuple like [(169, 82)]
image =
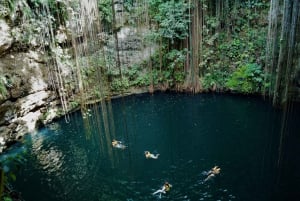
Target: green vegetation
[(228, 53), (171, 18), (230, 40), (105, 13), (247, 79), (9, 166), (226, 49)]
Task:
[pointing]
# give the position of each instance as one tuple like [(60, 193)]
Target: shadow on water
[(288, 162), (192, 134)]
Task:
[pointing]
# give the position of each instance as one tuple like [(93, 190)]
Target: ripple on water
[(79, 169)]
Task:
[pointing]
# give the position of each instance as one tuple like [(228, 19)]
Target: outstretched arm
[(159, 191)]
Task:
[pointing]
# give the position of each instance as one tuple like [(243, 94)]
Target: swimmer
[(118, 144), (166, 187), (212, 173), (149, 155)]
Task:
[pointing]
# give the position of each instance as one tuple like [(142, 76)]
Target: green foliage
[(137, 76), (74, 104), (247, 79), (233, 37), (214, 80), (232, 40), (32, 20), (10, 164), (179, 76), (172, 18), (120, 84), (105, 10), (6, 8), (57, 8), (128, 5), (172, 69), (142, 80), (254, 4), (175, 60), (133, 72), (7, 198)]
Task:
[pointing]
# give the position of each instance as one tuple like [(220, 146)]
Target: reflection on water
[(50, 160), (191, 133)]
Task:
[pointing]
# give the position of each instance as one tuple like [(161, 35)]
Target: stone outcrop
[(6, 39), (132, 45), (27, 81), (26, 93), (28, 88)]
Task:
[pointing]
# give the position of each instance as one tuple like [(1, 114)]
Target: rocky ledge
[(25, 97)]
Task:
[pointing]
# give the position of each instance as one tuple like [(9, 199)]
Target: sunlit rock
[(24, 73), (2, 142), (50, 115), (5, 37), (36, 56), (32, 101), (30, 120), (61, 35), (7, 112), (37, 84)]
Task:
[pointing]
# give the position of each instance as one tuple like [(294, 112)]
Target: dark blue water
[(192, 133)]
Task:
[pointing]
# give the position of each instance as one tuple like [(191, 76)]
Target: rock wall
[(25, 92), (132, 47), (27, 96), (5, 36)]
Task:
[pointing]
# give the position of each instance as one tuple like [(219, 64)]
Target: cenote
[(192, 133)]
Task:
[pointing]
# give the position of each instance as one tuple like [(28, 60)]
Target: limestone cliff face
[(25, 94), (5, 36), (27, 97), (131, 45), (30, 88)]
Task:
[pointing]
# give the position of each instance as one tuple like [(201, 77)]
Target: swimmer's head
[(167, 186), (114, 142)]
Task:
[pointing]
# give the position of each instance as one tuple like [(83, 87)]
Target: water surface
[(192, 133)]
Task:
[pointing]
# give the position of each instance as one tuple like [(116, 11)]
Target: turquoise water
[(192, 133)]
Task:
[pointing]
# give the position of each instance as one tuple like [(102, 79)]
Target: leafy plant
[(172, 17), (6, 8), (143, 80), (176, 59), (214, 80), (10, 164), (118, 85), (247, 79), (105, 10), (5, 198), (133, 72)]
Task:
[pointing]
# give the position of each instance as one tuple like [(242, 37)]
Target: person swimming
[(118, 144), (166, 187), (149, 155), (212, 173)]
